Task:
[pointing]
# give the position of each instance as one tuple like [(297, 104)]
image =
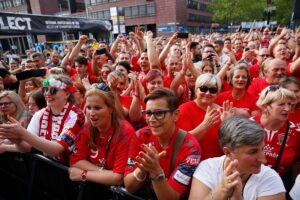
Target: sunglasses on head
[(272, 88), (50, 90), (212, 90)]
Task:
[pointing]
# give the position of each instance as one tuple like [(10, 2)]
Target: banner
[(16, 24)]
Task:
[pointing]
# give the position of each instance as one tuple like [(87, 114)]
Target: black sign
[(15, 24)]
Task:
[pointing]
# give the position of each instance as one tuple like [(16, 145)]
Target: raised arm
[(163, 55), (152, 54)]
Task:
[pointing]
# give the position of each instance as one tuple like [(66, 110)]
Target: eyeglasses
[(5, 104), (101, 86), (212, 90), (50, 90), (265, 55), (272, 88), (158, 114), (188, 75)]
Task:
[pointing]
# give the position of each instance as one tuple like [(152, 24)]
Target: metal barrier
[(35, 177)]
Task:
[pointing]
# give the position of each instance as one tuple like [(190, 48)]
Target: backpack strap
[(178, 142)]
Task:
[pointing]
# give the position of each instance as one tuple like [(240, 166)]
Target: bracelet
[(137, 178)]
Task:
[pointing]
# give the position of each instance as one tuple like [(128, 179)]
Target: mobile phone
[(182, 35), (31, 73), (101, 51)]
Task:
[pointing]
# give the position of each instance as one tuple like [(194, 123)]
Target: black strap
[(282, 147), (178, 142)]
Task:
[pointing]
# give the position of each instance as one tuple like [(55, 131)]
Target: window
[(134, 11), (142, 9), (150, 9), (106, 14), (93, 2), (127, 12)]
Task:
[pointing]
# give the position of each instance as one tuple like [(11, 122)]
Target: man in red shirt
[(274, 70), (254, 70), (161, 152), (238, 49)]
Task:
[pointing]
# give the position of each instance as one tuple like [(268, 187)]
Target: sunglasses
[(272, 88), (101, 86), (51, 90), (212, 90)]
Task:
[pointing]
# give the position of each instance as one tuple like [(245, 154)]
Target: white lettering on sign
[(15, 23)]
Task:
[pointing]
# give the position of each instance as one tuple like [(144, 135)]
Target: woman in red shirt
[(276, 105), (243, 103), (202, 117), (101, 153)]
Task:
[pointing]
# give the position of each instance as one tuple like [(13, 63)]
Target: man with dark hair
[(81, 65), (39, 59), (55, 60), (160, 152), (219, 45), (10, 81), (195, 49)]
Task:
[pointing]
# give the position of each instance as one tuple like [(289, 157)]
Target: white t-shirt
[(295, 191), (265, 183)]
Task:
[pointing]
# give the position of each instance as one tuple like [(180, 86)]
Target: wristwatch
[(159, 177), (84, 175)]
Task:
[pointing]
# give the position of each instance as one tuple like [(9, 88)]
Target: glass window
[(106, 14), (134, 11), (101, 14), (93, 2), (127, 12), (150, 9), (142, 9)]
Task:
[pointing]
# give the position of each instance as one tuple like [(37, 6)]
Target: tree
[(235, 11), (283, 11)]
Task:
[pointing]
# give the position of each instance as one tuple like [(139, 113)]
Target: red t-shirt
[(225, 86), (273, 142), (256, 86), (111, 152), (167, 81), (239, 55), (125, 101), (186, 162), (247, 101), (254, 71), (190, 116)]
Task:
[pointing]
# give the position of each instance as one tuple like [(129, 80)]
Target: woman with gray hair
[(240, 173), (282, 141), (202, 117)]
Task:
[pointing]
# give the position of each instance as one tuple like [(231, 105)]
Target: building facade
[(162, 17)]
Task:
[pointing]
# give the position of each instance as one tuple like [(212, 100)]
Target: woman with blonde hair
[(282, 141), (202, 117), (12, 105)]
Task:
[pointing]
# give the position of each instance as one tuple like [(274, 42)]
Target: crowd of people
[(203, 117)]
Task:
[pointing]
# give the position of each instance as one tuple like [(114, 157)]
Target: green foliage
[(235, 11), (283, 11)]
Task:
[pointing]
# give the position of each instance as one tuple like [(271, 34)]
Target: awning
[(20, 24)]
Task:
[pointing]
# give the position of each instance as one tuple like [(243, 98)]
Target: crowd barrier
[(35, 177)]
